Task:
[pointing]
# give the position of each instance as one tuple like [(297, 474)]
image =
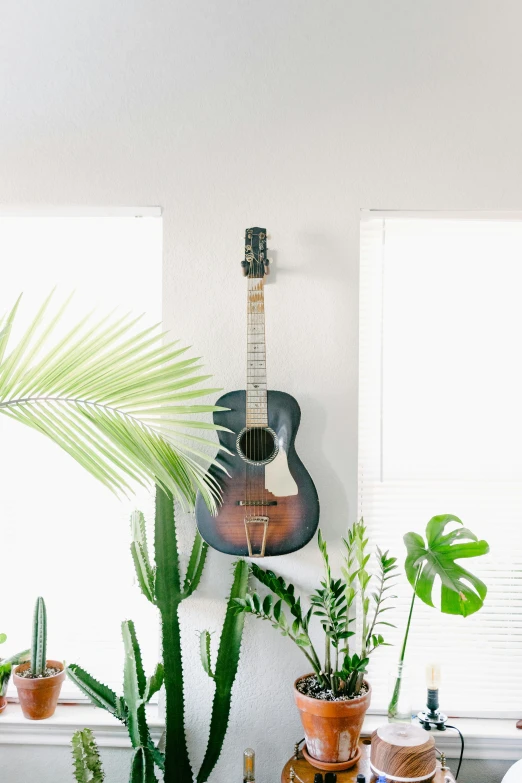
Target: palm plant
[(115, 396)]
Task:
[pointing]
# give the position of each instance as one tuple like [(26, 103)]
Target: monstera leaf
[(461, 592)]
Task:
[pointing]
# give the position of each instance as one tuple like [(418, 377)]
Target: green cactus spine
[(86, 758), (39, 641)]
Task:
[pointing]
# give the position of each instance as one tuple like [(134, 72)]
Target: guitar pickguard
[(278, 479)]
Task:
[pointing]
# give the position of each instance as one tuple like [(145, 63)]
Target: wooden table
[(304, 772)]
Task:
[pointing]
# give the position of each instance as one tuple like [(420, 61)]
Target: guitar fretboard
[(256, 407)]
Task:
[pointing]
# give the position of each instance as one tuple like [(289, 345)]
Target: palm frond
[(114, 396)]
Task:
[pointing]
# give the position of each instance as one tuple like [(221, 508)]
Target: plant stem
[(392, 707)]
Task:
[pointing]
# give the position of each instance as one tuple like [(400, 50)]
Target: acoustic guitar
[(269, 501)]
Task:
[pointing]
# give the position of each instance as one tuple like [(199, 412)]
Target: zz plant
[(342, 669), (461, 592), (162, 584)]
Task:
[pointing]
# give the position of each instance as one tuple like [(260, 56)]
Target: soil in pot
[(39, 695), (332, 725)]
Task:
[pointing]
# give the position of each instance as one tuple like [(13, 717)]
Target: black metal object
[(432, 717)]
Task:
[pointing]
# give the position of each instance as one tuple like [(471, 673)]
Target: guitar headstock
[(256, 263)]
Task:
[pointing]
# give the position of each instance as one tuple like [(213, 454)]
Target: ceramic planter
[(39, 697), (3, 703), (332, 728)]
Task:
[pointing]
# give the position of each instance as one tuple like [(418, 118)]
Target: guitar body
[(270, 504)]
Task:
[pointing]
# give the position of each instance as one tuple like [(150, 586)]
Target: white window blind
[(440, 431), (64, 535)]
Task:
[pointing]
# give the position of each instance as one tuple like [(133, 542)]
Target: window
[(440, 431), (64, 535)]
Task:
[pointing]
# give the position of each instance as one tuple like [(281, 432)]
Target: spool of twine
[(403, 753)]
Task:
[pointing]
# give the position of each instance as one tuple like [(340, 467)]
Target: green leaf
[(3, 638), (225, 673), (462, 593), (100, 695), (267, 605), (111, 394)]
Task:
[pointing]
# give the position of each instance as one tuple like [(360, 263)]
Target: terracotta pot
[(3, 703), (39, 697), (332, 728)]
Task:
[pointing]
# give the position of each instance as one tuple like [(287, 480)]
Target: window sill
[(58, 730), (484, 738)]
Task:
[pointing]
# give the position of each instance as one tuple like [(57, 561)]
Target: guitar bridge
[(256, 503), (256, 520)]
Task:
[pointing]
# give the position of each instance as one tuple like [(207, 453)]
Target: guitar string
[(246, 392)]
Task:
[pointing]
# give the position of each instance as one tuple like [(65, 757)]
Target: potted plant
[(39, 681), (462, 592), (164, 585), (6, 665), (334, 697)]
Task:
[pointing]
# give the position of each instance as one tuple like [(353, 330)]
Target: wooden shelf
[(305, 772)]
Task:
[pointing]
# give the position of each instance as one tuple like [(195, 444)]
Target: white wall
[(292, 114)]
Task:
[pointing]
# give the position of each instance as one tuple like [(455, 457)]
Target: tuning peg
[(266, 264), (246, 267)]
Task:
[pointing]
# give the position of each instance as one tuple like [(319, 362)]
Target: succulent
[(129, 708), (86, 758), (163, 585)]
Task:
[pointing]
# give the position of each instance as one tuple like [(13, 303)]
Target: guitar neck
[(256, 404)]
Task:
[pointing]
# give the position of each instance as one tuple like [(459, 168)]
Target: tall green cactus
[(86, 758), (163, 586), (129, 708), (39, 641)]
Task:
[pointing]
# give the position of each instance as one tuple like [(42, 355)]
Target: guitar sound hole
[(257, 445)]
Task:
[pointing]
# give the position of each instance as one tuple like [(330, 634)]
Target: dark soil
[(28, 675), (309, 686)]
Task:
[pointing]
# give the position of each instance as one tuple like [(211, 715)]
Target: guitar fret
[(256, 389)]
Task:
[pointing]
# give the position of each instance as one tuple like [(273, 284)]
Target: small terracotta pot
[(332, 728), (3, 703), (39, 697)]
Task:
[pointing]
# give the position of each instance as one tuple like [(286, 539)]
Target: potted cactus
[(6, 665), (39, 681)]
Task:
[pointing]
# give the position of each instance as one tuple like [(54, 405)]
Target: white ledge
[(484, 738), (68, 718)]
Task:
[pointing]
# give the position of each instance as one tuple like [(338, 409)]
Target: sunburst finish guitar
[(270, 504)]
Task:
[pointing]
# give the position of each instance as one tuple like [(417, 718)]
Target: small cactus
[(39, 642), (86, 758)]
